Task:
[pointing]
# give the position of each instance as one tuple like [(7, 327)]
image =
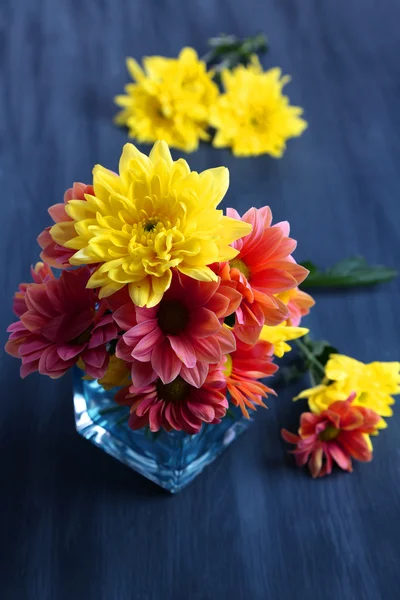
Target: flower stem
[(310, 356)]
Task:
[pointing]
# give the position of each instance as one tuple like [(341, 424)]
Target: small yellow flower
[(374, 384), (252, 116), (154, 216), (117, 374), (278, 335), (170, 100)]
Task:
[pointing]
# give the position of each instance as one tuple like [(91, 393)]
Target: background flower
[(338, 434), (155, 216), (374, 385), (61, 325), (252, 116), (176, 405), (169, 101)]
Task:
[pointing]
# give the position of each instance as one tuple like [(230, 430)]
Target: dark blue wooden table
[(74, 523)]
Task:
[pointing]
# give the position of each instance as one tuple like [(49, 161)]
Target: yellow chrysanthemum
[(155, 215), (280, 334), (374, 384), (170, 100), (117, 374), (252, 116)]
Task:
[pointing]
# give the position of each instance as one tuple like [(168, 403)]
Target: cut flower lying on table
[(177, 306)]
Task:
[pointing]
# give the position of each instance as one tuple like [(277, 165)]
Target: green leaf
[(228, 51), (350, 272)]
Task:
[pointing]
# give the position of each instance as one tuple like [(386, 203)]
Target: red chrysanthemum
[(337, 434), (40, 273), (176, 405), (52, 253), (263, 268), (182, 335), (243, 368), (63, 322)]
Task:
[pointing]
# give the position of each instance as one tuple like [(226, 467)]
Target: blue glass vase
[(170, 459)]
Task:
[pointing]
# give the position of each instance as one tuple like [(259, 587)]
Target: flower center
[(173, 317), (83, 337), (173, 392), (237, 263), (227, 370), (149, 226), (329, 434)]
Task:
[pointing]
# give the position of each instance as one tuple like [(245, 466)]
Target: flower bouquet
[(169, 311)]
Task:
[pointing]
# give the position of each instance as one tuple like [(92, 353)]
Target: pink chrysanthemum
[(52, 253), (298, 303), (61, 325), (182, 335), (176, 405), (243, 368), (40, 273), (263, 268), (336, 435)]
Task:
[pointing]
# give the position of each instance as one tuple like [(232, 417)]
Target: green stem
[(303, 348)]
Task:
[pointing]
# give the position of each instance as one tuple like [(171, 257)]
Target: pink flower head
[(176, 405), (63, 322), (263, 268), (40, 273), (52, 253), (182, 335), (243, 368), (336, 435), (298, 303)]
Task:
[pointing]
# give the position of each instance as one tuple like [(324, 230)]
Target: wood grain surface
[(74, 523)]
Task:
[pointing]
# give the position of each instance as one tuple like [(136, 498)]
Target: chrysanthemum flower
[(176, 405), (40, 273), (298, 303), (60, 326), (279, 335), (242, 370), (337, 435), (155, 216), (262, 269), (252, 116), (182, 335), (170, 100), (116, 375), (53, 253), (374, 384)]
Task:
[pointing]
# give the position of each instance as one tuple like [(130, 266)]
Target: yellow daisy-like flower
[(117, 374), (252, 116), (278, 335), (374, 384), (154, 216), (170, 100)]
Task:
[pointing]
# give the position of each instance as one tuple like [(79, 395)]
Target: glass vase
[(170, 459)]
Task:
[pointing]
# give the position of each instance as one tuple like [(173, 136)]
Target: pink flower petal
[(142, 373), (165, 362), (195, 376), (183, 349)]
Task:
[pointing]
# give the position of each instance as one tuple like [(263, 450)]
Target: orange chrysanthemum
[(242, 370)]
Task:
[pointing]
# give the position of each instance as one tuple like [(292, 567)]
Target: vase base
[(171, 460)]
